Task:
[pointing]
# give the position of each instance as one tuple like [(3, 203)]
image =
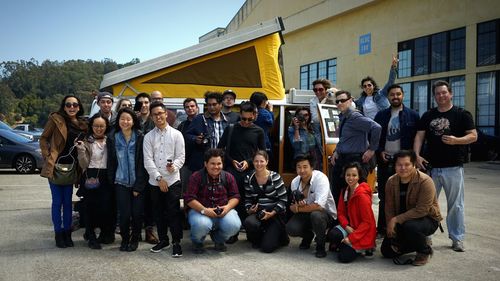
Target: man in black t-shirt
[(240, 142), (447, 131)]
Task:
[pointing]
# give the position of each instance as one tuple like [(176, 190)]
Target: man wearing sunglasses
[(358, 140), (240, 142), (320, 87)]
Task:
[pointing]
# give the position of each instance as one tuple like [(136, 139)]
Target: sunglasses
[(246, 119), (318, 90), (367, 85), (71, 104), (341, 101)]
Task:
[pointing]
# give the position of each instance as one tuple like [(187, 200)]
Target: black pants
[(99, 204), (307, 224), (131, 208), (240, 181), (411, 236), (346, 253), (167, 211), (384, 171), (269, 234), (338, 181), (148, 207)]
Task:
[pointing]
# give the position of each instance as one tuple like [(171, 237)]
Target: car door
[(7, 152)]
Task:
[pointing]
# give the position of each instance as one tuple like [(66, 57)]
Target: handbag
[(65, 174), (92, 183)]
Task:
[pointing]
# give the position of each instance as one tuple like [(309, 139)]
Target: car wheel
[(25, 164)]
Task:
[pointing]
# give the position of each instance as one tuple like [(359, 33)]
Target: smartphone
[(169, 162)]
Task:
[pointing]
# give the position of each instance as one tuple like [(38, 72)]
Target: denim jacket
[(379, 97), (408, 120), (125, 161)]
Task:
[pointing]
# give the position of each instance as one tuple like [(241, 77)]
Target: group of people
[(141, 166)]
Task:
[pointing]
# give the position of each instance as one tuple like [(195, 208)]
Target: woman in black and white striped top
[(265, 202)]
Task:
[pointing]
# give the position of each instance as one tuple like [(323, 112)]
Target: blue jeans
[(61, 197), (222, 228), (452, 180)]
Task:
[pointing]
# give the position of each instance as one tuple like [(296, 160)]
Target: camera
[(427, 166), (297, 196), (301, 118), (261, 214), (218, 210)]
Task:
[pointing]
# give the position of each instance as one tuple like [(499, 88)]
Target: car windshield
[(13, 136)]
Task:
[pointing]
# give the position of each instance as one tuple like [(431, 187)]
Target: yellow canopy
[(242, 66)]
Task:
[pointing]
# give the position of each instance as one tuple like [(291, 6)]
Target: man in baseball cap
[(105, 102), (228, 99)]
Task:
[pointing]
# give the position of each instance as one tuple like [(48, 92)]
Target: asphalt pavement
[(28, 252)]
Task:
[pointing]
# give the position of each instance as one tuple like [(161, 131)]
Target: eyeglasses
[(71, 104), (367, 85), (246, 119), (159, 114), (318, 90), (341, 101)]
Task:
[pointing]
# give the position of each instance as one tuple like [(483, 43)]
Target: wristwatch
[(158, 178), (202, 211)]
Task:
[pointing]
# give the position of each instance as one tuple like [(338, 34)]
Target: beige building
[(346, 40)]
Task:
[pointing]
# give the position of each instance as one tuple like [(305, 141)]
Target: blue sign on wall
[(365, 44)]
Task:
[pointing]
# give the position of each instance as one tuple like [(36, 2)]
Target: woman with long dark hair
[(97, 192), (126, 171), (356, 231), (57, 142)]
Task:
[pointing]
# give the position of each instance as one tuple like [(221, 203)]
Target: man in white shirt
[(312, 204), (163, 158)]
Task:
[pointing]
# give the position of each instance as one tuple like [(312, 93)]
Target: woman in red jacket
[(356, 231)]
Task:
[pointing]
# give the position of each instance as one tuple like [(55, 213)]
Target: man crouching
[(212, 195), (411, 211)]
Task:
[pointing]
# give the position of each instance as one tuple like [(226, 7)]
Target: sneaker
[(421, 259), (176, 250), (368, 254), (220, 247), (306, 241), (123, 246), (458, 246), (164, 244), (320, 251), (94, 244), (233, 239), (198, 248)]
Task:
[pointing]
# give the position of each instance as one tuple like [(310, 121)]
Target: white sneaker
[(458, 246)]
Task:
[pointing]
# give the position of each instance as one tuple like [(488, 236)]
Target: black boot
[(134, 243), (93, 243), (60, 240), (125, 241), (67, 239)]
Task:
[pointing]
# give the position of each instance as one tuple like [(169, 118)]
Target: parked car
[(19, 152), (29, 129), (27, 135)]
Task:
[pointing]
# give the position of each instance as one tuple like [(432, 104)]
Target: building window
[(487, 43), (421, 58), (420, 96), (322, 69), (486, 102), (457, 49), (407, 94), (457, 84), (434, 53)]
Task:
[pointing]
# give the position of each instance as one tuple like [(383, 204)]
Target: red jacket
[(358, 214)]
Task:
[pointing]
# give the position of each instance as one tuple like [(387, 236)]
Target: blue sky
[(119, 30)]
